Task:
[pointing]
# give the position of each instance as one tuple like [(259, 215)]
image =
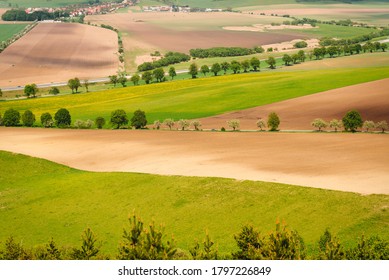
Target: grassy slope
[(8, 30), (40, 200), (183, 99)]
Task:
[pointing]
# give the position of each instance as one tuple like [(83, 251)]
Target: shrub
[(62, 118), (119, 118), (28, 118), (196, 124), (261, 124), (100, 122), (222, 129), (169, 123), (145, 244), (368, 125), (352, 121), (273, 121), (330, 247), (373, 248), (54, 90), (300, 44), (157, 124), (319, 124), (83, 124), (139, 119), (11, 117), (383, 125), (234, 124), (47, 120)]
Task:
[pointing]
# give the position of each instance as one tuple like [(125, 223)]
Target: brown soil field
[(370, 99), (56, 52), (146, 32), (346, 162)]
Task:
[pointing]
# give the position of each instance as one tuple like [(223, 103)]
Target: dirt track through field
[(347, 162), (370, 99), (56, 52)]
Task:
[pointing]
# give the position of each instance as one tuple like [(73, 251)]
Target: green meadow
[(8, 30), (40, 200), (202, 97)]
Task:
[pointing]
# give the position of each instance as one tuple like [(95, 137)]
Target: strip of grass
[(202, 97), (8, 30), (40, 199)]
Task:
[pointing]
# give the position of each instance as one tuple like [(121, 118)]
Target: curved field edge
[(40, 199), (203, 97)]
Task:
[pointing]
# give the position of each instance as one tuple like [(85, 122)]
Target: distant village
[(87, 9), (110, 7)]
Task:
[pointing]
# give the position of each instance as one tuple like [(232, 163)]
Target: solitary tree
[(119, 118), (159, 74), (383, 125), (122, 78), (172, 72), (368, 125), (74, 84), (319, 124), (100, 122), (157, 124), (31, 90), (352, 121), (287, 59), (336, 124), (135, 79), (86, 85), (113, 79), (204, 69), (216, 68), (234, 124), (255, 63), (196, 124), (139, 119), (261, 124), (246, 65), (273, 121), (62, 118), (193, 70), (11, 117), (235, 66), (183, 124), (169, 123), (147, 77), (225, 66), (271, 61), (47, 120), (28, 118)]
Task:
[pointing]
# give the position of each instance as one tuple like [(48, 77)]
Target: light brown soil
[(265, 27), (144, 33), (370, 99), (346, 162), (56, 52), (278, 9)]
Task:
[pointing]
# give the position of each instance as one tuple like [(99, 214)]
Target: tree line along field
[(216, 95), (40, 3), (47, 206), (8, 30)]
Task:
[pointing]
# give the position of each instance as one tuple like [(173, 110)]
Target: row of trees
[(224, 51), (21, 15), (168, 59), (140, 242), (351, 121), (12, 117)]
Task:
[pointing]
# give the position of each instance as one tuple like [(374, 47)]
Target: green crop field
[(8, 30), (201, 97), (40, 200)]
